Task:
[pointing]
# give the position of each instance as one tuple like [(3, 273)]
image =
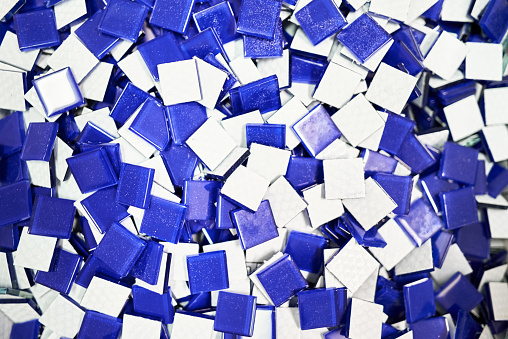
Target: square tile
[(285, 202), (463, 118), (52, 217), (246, 187), (105, 297), (320, 19), (135, 185), (446, 55), (179, 82), (484, 61), (496, 138), (235, 313), (255, 228), (63, 317), (337, 85), (269, 162), (36, 29), (344, 178), (123, 19), (320, 209)]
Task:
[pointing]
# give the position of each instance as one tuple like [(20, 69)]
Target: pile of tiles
[(253, 168)]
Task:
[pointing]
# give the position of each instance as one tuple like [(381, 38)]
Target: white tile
[(446, 56), (128, 153), (19, 312), (337, 85), (285, 202), (137, 327), (211, 143), (6, 7), (289, 114), (179, 82), (68, 11), (390, 9), (5, 276), (358, 120), (463, 118), (367, 291), (269, 162), (398, 245), (279, 66), (321, 210), (245, 70), (136, 70), (303, 92), (240, 286), (246, 187), (12, 91), (496, 101), (234, 49), (94, 85), (418, 7), (300, 223), (302, 43), (369, 210), (211, 80), (497, 223), (105, 297), (263, 324), (497, 141), (352, 265), (11, 55), (499, 300), (99, 118), (419, 259), (35, 251), (495, 274), (373, 62), (235, 126), (484, 61), (456, 10), (288, 322), (229, 164), (120, 48), (365, 322), (189, 326), (5, 322), (63, 317), (454, 262), (73, 54), (338, 149), (344, 178), (60, 153)]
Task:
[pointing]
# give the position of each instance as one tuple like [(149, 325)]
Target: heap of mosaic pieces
[(255, 168)]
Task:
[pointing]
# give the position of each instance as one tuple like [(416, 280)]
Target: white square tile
[(352, 265), (369, 210), (495, 274), (321, 210), (497, 141), (365, 320), (288, 322), (11, 55), (358, 120), (269, 162), (454, 262), (63, 317), (211, 143), (246, 187), (68, 11), (496, 101), (94, 85), (391, 88), (188, 326), (105, 297), (338, 149), (398, 245), (499, 300), (456, 10), (367, 291), (337, 85), (264, 323), (446, 55), (463, 118), (390, 9), (497, 223), (302, 43), (211, 80), (136, 70), (73, 54), (285, 202), (290, 114), (35, 251), (19, 312), (235, 126), (344, 178), (230, 163), (279, 66), (99, 118), (137, 327), (161, 175), (12, 91), (179, 82), (419, 259), (484, 61), (245, 70)]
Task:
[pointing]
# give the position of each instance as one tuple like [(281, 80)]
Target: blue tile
[(306, 250), (304, 172), (322, 307), (458, 163), (153, 304), (63, 271), (441, 243), (98, 325), (135, 185), (497, 180), (173, 15), (12, 134), (36, 29), (235, 313), (259, 18), (495, 20), (52, 217), (201, 44), (306, 69), (430, 328), (128, 102), (181, 162), (474, 241), (26, 330), (9, 238), (421, 223), (432, 185), (399, 188), (273, 135), (123, 19), (459, 208), (151, 52), (200, 196), (148, 265), (419, 300), (221, 18), (207, 272), (96, 42), (451, 295), (255, 47), (93, 134), (163, 220), (415, 155), (103, 209), (39, 141), (262, 95), (151, 124), (396, 130), (94, 267), (15, 202), (223, 216), (320, 19), (185, 119)]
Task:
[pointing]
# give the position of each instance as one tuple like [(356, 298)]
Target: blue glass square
[(201, 44), (92, 170), (223, 214), (119, 249), (26, 330), (93, 134), (304, 172), (370, 238), (497, 180), (40, 138), (376, 162), (459, 208), (148, 265), (235, 313), (441, 243), (316, 130), (123, 19), (94, 267), (163, 49), (266, 134), (220, 17), (52, 217), (153, 304), (173, 15), (135, 185), (494, 20), (306, 250), (320, 19), (163, 220), (396, 130), (128, 102), (458, 163), (63, 271), (458, 293), (364, 37), (90, 35), (15, 202), (282, 280), (200, 196), (36, 29), (430, 328), (103, 209), (399, 188), (321, 307), (254, 47), (474, 241), (259, 18), (9, 238), (419, 300), (207, 272), (432, 185), (98, 325), (13, 169), (400, 54), (421, 223), (415, 155), (151, 124), (262, 95), (255, 228), (306, 69), (185, 119), (12, 134), (180, 161), (113, 151)]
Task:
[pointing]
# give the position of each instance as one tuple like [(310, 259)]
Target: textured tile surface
[(285, 201)]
